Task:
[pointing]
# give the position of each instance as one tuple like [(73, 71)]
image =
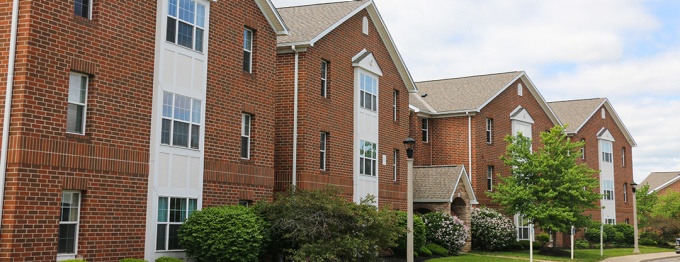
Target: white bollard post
[(573, 231)]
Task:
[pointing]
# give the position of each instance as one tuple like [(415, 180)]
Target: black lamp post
[(409, 143), (636, 248)]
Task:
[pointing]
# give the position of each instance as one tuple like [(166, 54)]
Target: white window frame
[(198, 13), (248, 38), (520, 91), (368, 154), (608, 190), (246, 131), (625, 192), (323, 150), (610, 221), (187, 212), (583, 149), (324, 78), (174, 112), (489, 178), (395, 164), (72, 193), (489, 130), (522, 228), (623, 156), (425, 126), (395, 100), (89, 8), (607, 152), (77, 86), (368, 86)]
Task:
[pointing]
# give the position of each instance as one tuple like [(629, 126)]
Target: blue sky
[(625, 50)]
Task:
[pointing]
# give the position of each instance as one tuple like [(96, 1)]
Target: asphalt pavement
[(656, 257)]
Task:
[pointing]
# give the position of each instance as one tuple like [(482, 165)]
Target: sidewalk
[(643, 257)]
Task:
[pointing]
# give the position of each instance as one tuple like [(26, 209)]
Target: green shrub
[(226, 233), (626, 236), (322, 225), (491, 230), (437, 249), (542, 239), (593, 233), (647, 242), (424, 252), (445, 230), (419, 234), (581, 244), (132, 260), (168, 259)]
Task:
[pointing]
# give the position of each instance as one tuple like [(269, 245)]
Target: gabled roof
[(660, 180), (470, 94), (310, 23), (576, 114), (439, 183), (273, 17)]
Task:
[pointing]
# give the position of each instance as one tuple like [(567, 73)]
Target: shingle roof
[(461, 94), (575, 112), (657, 179), (309, 21), (435, 182)]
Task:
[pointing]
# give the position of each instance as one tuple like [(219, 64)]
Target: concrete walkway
[(644, 257)]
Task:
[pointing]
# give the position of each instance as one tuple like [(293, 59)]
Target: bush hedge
[(132, 260), (491, 230), (226, 233), (437, 249), (168, 259), (445, 230), (419, 234)]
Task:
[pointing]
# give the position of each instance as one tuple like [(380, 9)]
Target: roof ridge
[(316, 4), (461, 77), (578, 99)]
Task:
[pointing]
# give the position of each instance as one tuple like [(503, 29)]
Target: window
[(583, 148), (367, 158), (181, 121), (523, 228), (608, 189), (395, 99), (606, 151), (68, 223), (245, 203), (248, 50), (77, 103), (627, 221), (369, 90), (603, 114), (364, 25), (186, 24), (425, 127), (623, 156), (322, 151), (610, 221), (489, 178), (324, 78), (83, 8), (489, 130), (172, 212), (519, 90), (395, 164), (625, 192), (245, 135)]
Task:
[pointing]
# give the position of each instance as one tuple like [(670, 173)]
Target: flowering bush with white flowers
[(491, 230), (445, 230)]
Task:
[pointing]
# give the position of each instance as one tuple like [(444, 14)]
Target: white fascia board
[(276, 22), (338, 23), (422, 101), (413, 108), (462, 176), (499, 91), (590, 116), (544, 104), (619, 123), (664, 185)]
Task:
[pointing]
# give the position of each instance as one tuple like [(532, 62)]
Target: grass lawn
[(579, 255)]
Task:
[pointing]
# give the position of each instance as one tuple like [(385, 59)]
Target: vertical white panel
[(194, 173), (179, 171), (184, 74), (169, 67), (199, 75), (164, 170)]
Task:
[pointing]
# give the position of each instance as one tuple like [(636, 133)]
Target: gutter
[(469, 145), (295, 118), (8, 103)]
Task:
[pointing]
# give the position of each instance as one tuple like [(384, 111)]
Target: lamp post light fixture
[(636, 249), (409, 143)]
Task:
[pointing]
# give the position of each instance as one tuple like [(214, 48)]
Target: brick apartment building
[(351, 87), (662, 182)]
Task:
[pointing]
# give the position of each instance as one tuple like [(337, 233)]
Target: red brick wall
[(672, 187), (622, 174), (110, 161), (334, 114), (231, 92)]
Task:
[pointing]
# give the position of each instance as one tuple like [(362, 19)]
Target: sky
[(625, 50)]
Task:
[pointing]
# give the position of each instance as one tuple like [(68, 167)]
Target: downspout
[(8, 103), (295, 119), (469, 145)]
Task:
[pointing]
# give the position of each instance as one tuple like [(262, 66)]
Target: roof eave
[(273, 17)]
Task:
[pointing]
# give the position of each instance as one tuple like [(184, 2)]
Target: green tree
[(546, 185), (645, 204)]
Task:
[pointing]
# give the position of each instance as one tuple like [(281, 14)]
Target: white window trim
[(610, 221), (607, 151), (89, 11), (65, 256), (168, 223), (425, 126), (249, 49), (489, 178), (625, 192), (520, 91), (363, 93), (608, 186), (373, 159), (191, 121), (364, 25), (519, 219), (489, 130), (324, 78), (583, 149), (395, 162), (323, 151), (84, 105), (623, 156), (395, 99), (246, 118), (194, 24)]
